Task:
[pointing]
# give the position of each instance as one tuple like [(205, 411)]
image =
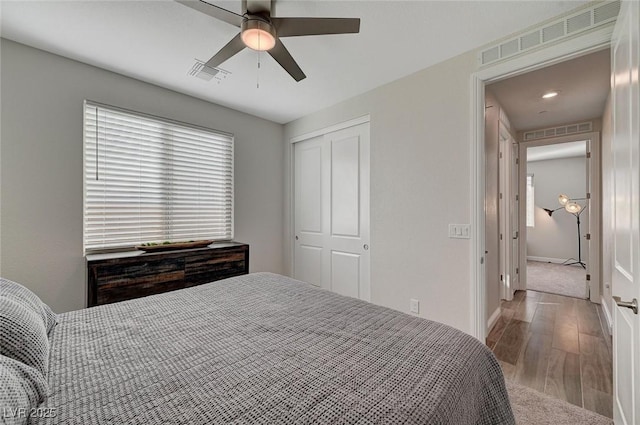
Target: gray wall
[(420, 182), (41, 167), (556, 237)]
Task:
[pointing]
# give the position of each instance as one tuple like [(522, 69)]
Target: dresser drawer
[(120, 277), (211, 266)]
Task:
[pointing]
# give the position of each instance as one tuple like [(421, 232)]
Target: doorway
[(557, 218), (552, 106), (620, 192), (541, 337)]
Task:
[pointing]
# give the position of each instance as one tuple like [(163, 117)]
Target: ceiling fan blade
[(292, 27), (214, 11), (284, 58), (230, 49)]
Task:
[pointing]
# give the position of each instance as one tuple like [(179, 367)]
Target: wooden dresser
[(122, 276)]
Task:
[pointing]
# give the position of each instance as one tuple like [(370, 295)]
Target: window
[(530, 201), (148, 179)]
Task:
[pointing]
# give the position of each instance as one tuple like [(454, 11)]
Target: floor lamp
[(572, 207)]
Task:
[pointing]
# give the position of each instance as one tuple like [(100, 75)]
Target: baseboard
[(607, 314), (547, 260), (493, 319)]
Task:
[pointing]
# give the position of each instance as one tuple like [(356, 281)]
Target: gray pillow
[(19, 293), (21, 387), (23, 335)]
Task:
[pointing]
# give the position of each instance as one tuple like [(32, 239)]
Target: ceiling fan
[(261, 31)]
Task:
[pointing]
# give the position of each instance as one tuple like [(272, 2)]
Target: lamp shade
[(258, 34), (563, 199), (573, 207)]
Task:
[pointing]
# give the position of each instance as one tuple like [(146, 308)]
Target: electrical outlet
[(414, 306)]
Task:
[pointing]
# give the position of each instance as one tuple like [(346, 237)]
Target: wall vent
[(606, 12), (530, 40), (206, 73), (491, 55), (586, 19), (509, 48), (564, 130), (553, 32), (578, 22)]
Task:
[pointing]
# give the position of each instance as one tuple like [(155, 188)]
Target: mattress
[(267, 349)]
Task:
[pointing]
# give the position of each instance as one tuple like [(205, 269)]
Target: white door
[(592, 222), (626, 214), (505, 216), (331, 204), (311, 167), (514, 211)]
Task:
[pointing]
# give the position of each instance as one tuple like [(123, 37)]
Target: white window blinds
[(152, 180)]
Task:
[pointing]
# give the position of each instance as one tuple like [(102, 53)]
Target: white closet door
[(312, 168), (332, 211)]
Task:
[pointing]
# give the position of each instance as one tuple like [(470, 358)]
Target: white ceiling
[(582, 83), (557, 151), (158, 42)]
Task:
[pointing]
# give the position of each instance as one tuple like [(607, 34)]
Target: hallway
[(557, 345)]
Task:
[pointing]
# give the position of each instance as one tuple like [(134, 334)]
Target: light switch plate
[(460, 231)]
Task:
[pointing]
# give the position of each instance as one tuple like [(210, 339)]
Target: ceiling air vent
[(558, 30), (582, 127), (204, 72)]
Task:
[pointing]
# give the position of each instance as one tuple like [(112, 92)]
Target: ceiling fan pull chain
[(258, 72)]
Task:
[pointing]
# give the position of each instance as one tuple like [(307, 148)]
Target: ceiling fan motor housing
[(258, 33)]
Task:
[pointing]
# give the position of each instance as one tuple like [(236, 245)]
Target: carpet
[(557, 279), (531, 407)]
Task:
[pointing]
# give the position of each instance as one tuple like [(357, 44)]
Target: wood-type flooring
[(556, 345)]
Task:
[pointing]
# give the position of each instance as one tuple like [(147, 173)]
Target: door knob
[(366, 247), (296, 238), (633, 305)]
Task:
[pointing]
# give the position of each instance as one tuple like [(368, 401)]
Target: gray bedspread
[(266, 349)]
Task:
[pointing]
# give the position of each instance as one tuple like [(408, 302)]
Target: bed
[(264, 349)]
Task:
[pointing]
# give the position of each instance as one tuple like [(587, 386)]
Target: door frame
[(364, 119), (594, 260), (593, 41)]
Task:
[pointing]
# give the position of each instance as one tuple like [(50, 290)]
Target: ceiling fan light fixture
[(258, 34)]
